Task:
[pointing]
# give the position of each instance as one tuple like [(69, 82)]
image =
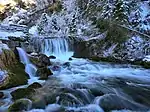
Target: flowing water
[(30, 69), (81, 85), (87, 86), (58, 47)]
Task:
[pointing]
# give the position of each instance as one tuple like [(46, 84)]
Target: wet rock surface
[(113, 102), (25, 92), (52, 57), (20, 105), (44, 72), (43, 61)]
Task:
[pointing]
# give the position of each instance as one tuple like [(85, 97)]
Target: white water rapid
[(90, 84)]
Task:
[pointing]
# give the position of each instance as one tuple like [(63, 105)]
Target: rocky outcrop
[(44, 60), (15, 74), (134, 50)]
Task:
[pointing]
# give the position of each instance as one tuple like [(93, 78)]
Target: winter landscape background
[(74, 55)]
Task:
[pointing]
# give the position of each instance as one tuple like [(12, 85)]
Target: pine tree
[(121, 11)]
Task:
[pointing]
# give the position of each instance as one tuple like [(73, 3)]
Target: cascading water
[(30, 69), (23, 56), (58, 47)]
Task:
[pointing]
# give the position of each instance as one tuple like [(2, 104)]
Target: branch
[(145, 35)]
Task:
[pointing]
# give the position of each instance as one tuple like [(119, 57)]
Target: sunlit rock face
[(4, 2)]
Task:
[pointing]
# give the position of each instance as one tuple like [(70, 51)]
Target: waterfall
[(58, 47), (30, 69), (23, 56)]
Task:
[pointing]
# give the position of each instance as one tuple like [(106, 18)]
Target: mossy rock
[(44, 73), (25, 92), (15, 69), (43, 61), (20, 105), (39, 102), (14, 80), (7, 58), (34, 60), (146, 65), (22, 93), (35, 85), (142, 63)]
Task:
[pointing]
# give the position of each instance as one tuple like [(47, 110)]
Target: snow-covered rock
[(147, 58), (13, 32), (20, 18), (6, 35), (3, 46)]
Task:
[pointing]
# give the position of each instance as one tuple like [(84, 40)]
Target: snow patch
[(3, 46), (33, 30), (4, 35)]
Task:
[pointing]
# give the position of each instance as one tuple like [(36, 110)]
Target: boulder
[(138, 93), (67, 64), (22, 93), (13, 80), (44, 73), (43, 61), (8, 58), (81, 49), (52, 57), (70, 59), (39, 102), (25, 92), (15, 70), (35, 85), (113, 102), (20, 105)]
